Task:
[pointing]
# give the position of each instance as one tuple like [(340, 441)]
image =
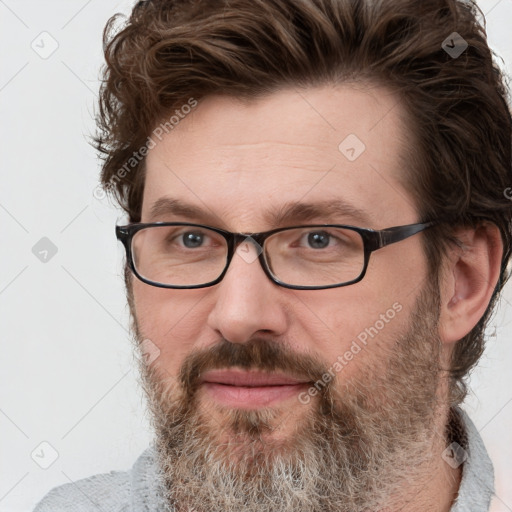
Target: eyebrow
[(287, 214)]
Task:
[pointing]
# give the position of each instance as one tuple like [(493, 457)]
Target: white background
[(67, 371)]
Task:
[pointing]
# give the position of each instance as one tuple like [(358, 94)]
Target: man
[(314, 360)]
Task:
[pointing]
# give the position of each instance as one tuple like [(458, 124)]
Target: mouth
[(250, 389)]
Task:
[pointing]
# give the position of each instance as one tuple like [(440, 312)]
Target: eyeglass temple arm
[(399, 233)]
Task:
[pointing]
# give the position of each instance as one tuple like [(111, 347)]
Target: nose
[(247, 302)]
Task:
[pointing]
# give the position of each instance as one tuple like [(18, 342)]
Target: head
[(242, 110)]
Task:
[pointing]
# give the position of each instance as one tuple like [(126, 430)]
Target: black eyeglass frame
[(373, 240)]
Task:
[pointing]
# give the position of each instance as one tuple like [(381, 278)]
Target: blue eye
[(192, 239), (318, 239)]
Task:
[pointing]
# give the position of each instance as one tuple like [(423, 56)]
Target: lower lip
[(250, 397)]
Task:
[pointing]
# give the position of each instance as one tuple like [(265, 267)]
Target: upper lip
[(249, 378)]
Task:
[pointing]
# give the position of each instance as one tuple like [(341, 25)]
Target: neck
[(438, 486)]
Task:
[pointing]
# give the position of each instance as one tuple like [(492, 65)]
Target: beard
[(361, 443)]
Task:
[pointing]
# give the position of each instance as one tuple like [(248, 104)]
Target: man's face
[(232, 390)]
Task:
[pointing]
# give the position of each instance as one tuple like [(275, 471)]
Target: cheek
[(354, 327), (171, 320)]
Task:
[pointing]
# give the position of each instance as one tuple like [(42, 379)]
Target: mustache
[(256, 354)]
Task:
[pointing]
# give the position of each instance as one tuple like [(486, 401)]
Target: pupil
[(193, 239), (318, 240)]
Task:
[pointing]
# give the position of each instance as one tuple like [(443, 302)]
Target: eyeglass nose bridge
[(240, 243), (236, 240)]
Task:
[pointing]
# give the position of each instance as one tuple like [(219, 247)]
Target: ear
[(468, 281)]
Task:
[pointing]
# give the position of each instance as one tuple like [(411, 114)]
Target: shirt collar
[(477, 483)]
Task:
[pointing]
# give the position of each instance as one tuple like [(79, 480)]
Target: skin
[(236, 160)]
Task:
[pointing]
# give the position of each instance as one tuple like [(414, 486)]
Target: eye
[(316, 239), (319, 239), (192, 239)]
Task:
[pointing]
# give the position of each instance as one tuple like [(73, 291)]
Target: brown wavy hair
[(459, 163)]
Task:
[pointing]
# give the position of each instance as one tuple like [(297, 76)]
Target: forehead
[(240, 161)]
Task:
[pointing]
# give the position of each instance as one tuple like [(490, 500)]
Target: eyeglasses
[(314, 257)]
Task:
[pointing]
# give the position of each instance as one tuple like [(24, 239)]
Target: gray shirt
[(477, 484), (140, 488)]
